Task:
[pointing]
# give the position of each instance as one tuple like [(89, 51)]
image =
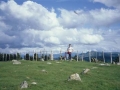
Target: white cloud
[(51, 40), (4, 38), (91, 39), (37, 16), (30, 25), (94, 18), (70, 19), (110, 3), (105, 17)]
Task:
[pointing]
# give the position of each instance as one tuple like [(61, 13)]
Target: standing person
[(69, 51)]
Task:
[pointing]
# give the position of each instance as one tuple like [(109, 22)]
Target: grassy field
[(56, 75)]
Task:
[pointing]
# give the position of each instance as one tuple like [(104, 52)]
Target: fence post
[(40, 55), (77, 56), (33, 55), (60, 55), (16, 56), (82, 55), (119, 57), (51, 56), (36, 55), (65, 57), (89, 56), (25, 56), (9, 56), (111, 57), (46, 56), (103, 57), (20, 56), (29, 55), (3, 56), (96, 55)]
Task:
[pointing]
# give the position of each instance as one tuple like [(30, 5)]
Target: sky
[(36, 25)]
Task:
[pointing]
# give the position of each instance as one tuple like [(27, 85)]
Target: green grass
[(101, 78)]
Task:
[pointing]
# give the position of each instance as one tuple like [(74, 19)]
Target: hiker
[(69, 51)]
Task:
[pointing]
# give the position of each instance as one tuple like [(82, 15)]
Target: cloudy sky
[(27, 25)]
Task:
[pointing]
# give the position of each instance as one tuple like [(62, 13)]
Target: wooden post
[(60, 55), (103, 57), (3, 56), (119, 57), (25, 55), (20, 55), (33, 55), (29, 55), (36, 55), (51, 57), (65, 57), (96, 55), (89, 56), (77, 56), (46, 56), (40, 55), (9, 56), (82, 56), (16, 56), (111, 57)]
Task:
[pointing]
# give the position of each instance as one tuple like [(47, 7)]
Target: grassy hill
[(56, 75)]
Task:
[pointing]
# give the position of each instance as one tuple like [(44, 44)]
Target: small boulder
[(94, 67), (104, 64), (24, 84), (74, 77), (42, 59), (113, 62), (85, 71), (34, 83), (16, 62), (58, 62), (43, 70), (49, 63), (118, 63)]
